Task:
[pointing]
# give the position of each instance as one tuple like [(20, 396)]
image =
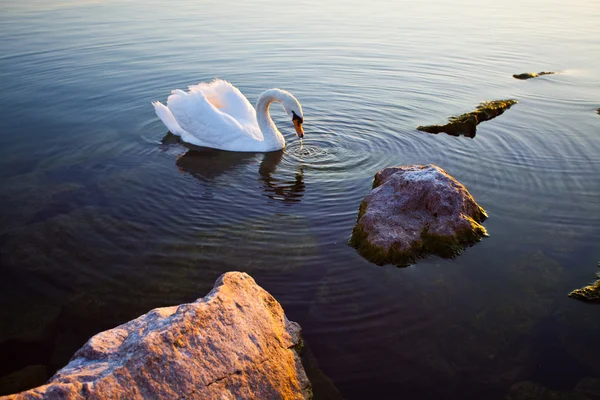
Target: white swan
[(219, 116)]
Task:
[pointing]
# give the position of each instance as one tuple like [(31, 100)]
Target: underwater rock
[(466, 124), (236, 342), (532, 391), (529, 75), (588, 293), (415, 210), (322, 386), (589, 387), (30, 376)]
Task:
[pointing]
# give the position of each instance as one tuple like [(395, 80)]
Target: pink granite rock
[(235, 343), (413, 211)]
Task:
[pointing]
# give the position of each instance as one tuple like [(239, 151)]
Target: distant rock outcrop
[(466, 124), (415, 210), (529, 75), (234, 343)]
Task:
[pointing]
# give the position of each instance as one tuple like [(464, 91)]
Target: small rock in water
[(589, 293), (236, 342), (466, 124), (529, 75), (413, 211)]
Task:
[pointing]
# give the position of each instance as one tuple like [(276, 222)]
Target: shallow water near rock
[(101, 222)]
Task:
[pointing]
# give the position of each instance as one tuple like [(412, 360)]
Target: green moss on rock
[(413, 211), (589, 293), (379, 255), (529, 75), (466, 124)]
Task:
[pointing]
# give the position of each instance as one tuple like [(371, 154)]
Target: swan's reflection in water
[(288, 191), (206, 164)]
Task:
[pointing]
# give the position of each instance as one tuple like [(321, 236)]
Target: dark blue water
[(100, 221)]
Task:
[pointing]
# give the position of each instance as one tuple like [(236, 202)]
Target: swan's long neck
[(271, 134)]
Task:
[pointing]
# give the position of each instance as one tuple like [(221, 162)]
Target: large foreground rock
[(415, 210), (235, 343)]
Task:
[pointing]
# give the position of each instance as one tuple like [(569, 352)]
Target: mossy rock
[(466, 124), (529, 75), (413, 211), (589, 293)]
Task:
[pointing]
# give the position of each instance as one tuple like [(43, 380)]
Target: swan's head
[(293, 108)]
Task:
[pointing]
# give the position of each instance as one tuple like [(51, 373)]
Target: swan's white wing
[(203, 123), (228, 99), (167, 118)]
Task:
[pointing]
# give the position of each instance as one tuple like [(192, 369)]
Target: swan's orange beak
[(298, 126)]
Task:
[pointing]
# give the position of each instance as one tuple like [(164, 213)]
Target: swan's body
[(219, 116)]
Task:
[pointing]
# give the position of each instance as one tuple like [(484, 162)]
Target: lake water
[(101, 221)]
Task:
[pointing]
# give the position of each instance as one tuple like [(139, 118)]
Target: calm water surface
[(101, 221)]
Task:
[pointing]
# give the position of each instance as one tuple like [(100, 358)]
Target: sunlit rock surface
[(529, 75), (466, 124), (415, 210), (234, 343)]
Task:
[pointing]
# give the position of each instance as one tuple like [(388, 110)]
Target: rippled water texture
[(102, 219)]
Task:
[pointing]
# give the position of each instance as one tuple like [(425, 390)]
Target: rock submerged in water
[(466, 124), (529, 75), (236, 342), (532, 391), (589, 293), (413, 211)]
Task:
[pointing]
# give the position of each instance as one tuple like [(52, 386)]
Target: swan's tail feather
[(167, 118)]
